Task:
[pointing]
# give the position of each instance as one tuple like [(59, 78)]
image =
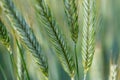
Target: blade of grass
[(3, 72)]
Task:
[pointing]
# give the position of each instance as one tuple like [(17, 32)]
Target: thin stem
[(76, 62), (28, 77), (72, 78), (23, 61), (85, 76), (13, 64)]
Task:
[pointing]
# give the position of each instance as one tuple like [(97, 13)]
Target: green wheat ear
[(72, 17), (55, 37), (88, 35), (26, 34)]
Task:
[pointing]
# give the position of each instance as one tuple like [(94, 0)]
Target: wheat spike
[(88, 34), (26, 34), (55, 36), (72, 17)]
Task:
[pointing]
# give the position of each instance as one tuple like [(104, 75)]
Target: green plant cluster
[(25, 39)]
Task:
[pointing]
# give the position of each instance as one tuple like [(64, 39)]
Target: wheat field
[(59, 40)]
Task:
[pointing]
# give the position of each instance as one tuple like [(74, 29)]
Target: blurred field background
[(107, 40)]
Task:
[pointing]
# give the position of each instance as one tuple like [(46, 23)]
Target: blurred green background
[(107, 40)]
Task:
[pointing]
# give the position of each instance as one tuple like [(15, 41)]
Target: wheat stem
[(55, 37), (72, 78), (26, 34), (14, 65), (20, 68), (21, 52), (76, 61), (85, 75)]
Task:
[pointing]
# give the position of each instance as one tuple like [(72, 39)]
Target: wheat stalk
[(26, 34), (21, 62), (55, 36), (72, 17), (88, 35)]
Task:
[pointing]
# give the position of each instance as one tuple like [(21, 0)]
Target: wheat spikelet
[(4, 37), (88, 34), (72, 17), (26, 34), (55, 36)]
